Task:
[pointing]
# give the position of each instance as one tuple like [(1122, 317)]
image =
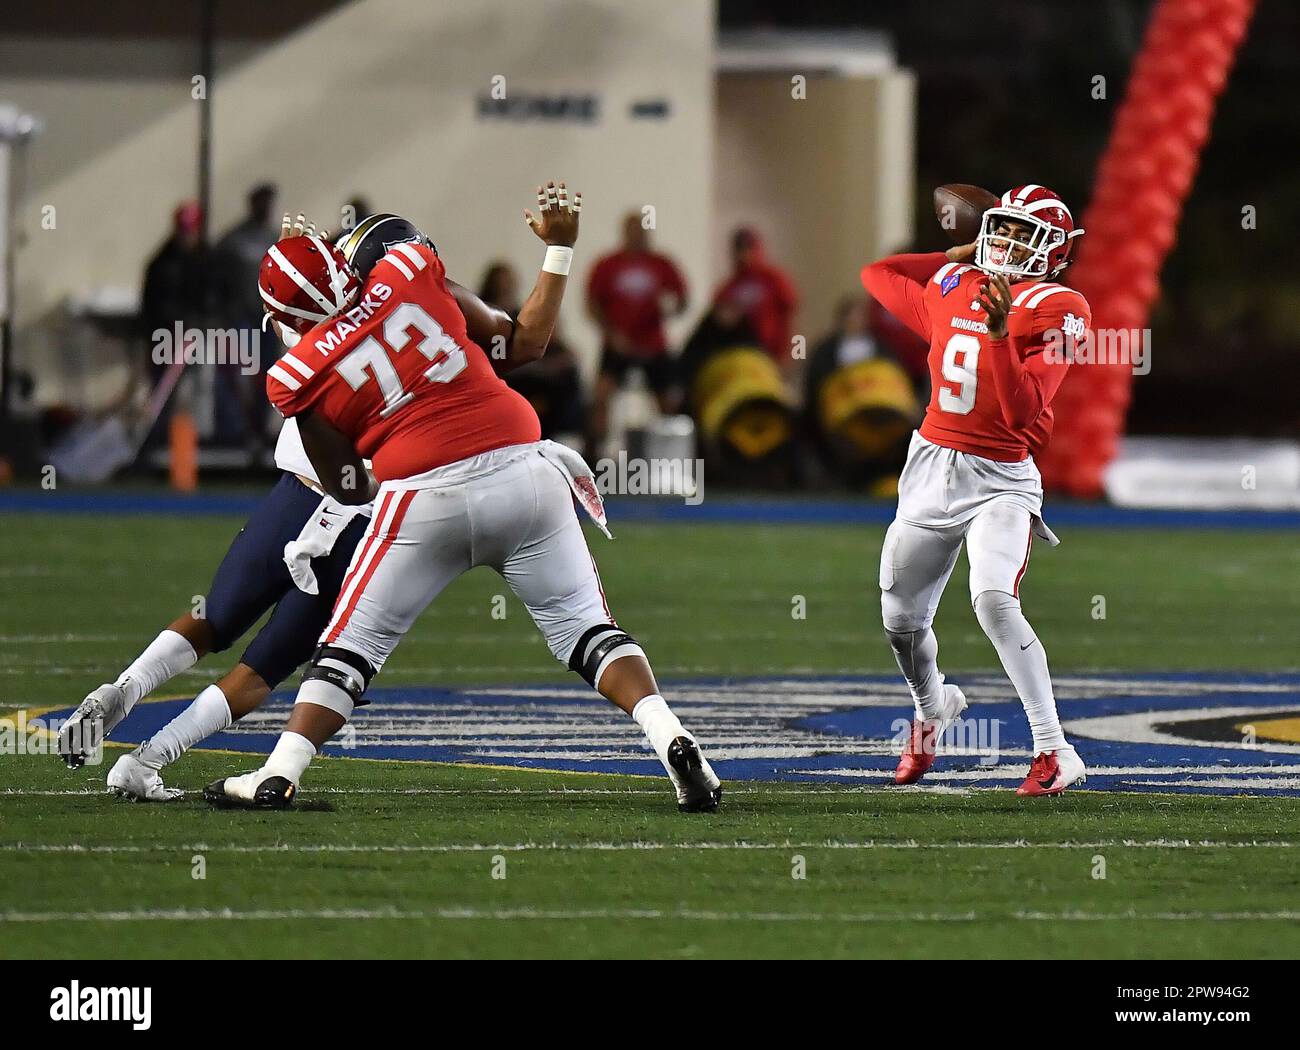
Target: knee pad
[(900, 616), (997, 612), (336, 679), (599, 647)]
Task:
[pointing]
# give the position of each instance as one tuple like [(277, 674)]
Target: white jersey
[(291, 456)]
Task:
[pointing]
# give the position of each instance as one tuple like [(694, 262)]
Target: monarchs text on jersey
[(989, 397), (399, 375)]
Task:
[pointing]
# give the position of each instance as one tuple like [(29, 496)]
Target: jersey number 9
[(961, 358)]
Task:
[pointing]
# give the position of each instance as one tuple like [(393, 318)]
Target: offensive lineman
[(395, 375), (289, 557), (989, 310)]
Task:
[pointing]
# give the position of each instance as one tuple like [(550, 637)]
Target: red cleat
[(1052, 772), (918, 755)]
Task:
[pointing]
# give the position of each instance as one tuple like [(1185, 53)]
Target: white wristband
[(558, 259)]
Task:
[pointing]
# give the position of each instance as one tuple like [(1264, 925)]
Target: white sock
[(290, 758), (659, 724), (1025, 662), (208, 713), (917, 654), (661, 728), (167, 656)]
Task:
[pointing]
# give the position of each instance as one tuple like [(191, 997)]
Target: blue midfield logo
[(1201, 733)]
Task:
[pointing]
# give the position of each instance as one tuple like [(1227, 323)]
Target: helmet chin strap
[(288, 337)]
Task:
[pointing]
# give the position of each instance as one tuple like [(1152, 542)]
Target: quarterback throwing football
[(990, 311)]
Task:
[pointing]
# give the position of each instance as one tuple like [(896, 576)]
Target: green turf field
[(400, 858)]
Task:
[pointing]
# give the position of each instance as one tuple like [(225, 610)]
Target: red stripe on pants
[(390, 534), (1015, 591), (376, 519)]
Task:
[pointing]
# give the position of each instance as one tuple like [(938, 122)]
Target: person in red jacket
[(629, 294), (1001, 333), (762, 292)]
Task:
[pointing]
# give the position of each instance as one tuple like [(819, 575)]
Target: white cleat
[(954, 703), (698, 788), (131, 778), (83, 734)]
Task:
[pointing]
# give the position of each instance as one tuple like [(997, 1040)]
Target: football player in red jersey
[(999, 330), (391, 365)]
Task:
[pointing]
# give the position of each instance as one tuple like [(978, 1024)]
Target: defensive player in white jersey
[(289, 558), (399, 374), (1000, 332)]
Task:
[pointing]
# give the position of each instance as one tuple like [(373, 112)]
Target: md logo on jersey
[(950, 282), (1199, 733)]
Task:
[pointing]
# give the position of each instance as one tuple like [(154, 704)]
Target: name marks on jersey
[(352, 320)]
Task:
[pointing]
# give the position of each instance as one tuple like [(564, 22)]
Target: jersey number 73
[(371, 358)]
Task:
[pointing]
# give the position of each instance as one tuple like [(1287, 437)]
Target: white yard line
[(628, 847), (811, 789), (624, 914)]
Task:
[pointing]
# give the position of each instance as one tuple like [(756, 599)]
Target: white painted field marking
[(50, 639), (811, 789), (631, 847), (1012, 770), (620, 914)]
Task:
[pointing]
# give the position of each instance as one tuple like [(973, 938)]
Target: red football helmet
[(306, 280), (1046, 249)]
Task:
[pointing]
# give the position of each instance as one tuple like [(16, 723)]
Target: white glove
[(316, 540)]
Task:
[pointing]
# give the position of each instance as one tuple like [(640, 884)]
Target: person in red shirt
[(763, 294), (1001, 334), (629, 294), (399, 364)]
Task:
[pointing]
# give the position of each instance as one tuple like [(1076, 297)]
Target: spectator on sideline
[(855, 339), (241, 408), (629, 294), (500, 287), (552, 385), (176, 288), (762, 292)]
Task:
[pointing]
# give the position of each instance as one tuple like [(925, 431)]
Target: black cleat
[(684, 757), (272, 793)]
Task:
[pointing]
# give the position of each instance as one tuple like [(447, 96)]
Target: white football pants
[(511, 510), (947, 498)]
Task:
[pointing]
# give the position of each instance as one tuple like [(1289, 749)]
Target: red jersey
[(399, 375), (767, 298), (989, 397), (628, 288)]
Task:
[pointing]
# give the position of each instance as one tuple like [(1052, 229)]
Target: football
[(959, 209)]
